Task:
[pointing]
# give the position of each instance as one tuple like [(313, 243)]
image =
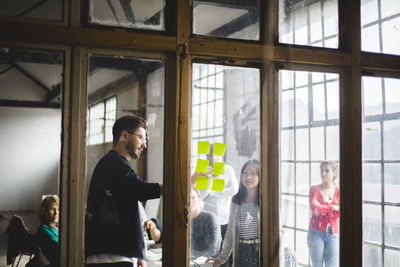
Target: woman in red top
[(323, 233)]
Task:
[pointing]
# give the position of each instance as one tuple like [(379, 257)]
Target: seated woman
[(205, 232), (47, 235)]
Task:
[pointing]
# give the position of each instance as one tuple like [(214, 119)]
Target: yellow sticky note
[(218, 185), (202, 182), (202, 165), (203, 147), (218, 168), (219, 149)]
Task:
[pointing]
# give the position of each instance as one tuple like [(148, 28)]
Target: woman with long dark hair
[(242, 236)]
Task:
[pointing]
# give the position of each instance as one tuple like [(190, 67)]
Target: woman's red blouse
[(322, 212)]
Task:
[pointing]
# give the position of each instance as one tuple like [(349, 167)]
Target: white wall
[(29, 156)]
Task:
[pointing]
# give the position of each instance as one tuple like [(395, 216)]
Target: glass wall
[(313, 23), (137, 14), (380, 25), (31, 88), (309, 159), (35, 9), (225, 168), (237, 19), (119, 86), (381, 170)]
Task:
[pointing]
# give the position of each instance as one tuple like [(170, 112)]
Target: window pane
[(302, 209), (372, 221), (287, 145), (302, 181), (317, 143), (392, 182), (303, 206), (301, 250), (301, 106), (392, 226), (227, 19), (236, 107), (381, 169), (332, 93), (121, 86), (318, 103), (31, 89), (390, 139), (302, 144), (371, 141), (372, 95), (369, 40), (332, 142), (372, 256), (372, 182), (137, 14), (35, 9), (391, 36), (392, 258), (312, 23), (380, 30), (288, 106), (369, 11), (287, 173), (392, 95)]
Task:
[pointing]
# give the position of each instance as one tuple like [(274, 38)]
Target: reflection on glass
[(35, 9), (137, 14), (309, 159), (380, 24), (119, 86), (381, 170), (313, 23), (228, 19), (225, 113), (31, 83)]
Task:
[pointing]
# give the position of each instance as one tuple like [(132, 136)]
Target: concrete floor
[(30, 221)]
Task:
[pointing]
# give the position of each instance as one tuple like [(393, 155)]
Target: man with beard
[(119, 242)]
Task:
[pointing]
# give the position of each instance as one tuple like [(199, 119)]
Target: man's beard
[(131, 152)]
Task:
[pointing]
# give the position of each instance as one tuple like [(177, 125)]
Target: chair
[(20, 241), (290, 257)]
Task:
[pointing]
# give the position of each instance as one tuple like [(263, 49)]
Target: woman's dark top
[(47, 240)]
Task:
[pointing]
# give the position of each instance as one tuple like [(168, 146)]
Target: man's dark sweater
[(115, 174)]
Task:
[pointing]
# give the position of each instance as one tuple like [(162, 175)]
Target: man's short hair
[(130, 123)]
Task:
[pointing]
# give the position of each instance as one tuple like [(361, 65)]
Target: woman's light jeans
[(323, 247)]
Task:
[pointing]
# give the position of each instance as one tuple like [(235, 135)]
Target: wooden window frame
[(178, 48)]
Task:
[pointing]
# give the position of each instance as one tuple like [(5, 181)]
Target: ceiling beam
[(27, 104), (31, 77), (236, 25), (54, 93), (127, 8)]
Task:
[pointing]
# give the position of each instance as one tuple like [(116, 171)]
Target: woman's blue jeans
[(323, 247)]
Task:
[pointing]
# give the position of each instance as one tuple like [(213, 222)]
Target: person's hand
[(149, 224), (141, 263), (193, 179), (215, 262)]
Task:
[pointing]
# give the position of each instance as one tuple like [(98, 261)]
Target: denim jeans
[(247, 255), (323, 247)]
